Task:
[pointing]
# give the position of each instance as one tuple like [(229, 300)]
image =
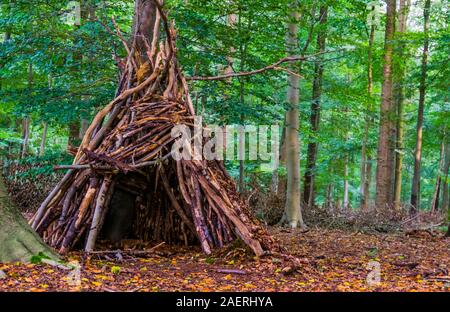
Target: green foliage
[(74, 74), (38, 166), (37, 259)]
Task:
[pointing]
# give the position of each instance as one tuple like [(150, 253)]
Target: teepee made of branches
[(129, 146)]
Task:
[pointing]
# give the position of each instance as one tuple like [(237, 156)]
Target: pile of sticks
[(129, 146)]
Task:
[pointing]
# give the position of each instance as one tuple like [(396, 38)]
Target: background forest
[(359, 89), (55, 74)]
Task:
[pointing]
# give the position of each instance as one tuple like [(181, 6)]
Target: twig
[(230, 271), (130, 252)]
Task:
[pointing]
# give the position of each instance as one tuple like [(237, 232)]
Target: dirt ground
[(330, 261)]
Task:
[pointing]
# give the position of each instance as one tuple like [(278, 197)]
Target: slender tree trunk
[(346, 185), (26, 122), (445, 177), (275, 176), (399, 99), (366, 160), (74, 125), (25, 137), (45, 124), (281, 187), (242, 53), (83, 128), (329, 196), (386, 140), (415, 189), (437, 189), (74, 134), (448, 218), (293, 214), (313, 146), (44, 139)]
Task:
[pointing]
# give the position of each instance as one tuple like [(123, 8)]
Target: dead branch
[(274, 66)]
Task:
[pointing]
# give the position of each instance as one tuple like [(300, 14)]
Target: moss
[(18, 241)]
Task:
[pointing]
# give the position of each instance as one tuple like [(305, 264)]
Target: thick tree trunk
[(293, 214), (313, 146), (18, 241), (386, 140), (399, 99), (415, 189), (145, 18)]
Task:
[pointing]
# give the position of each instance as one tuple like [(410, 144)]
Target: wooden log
[(240, 228), (90, 194), (96, 225), (198, 217), (174, 201), (40, 213)]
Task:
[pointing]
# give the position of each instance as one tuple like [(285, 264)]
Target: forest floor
[(331, 260)]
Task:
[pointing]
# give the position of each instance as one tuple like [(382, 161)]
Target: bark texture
[(386, 139), (415, 189), (313, 146), (399, 100), (293, 214)]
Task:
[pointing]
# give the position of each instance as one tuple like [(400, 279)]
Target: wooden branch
[(274, 66), (130, 252), (101, 204), (230, 271)]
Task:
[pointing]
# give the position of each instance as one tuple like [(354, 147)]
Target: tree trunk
[(308, 188), (74, 125), (25, 137), (293, 214), (18, 241), (26, 122), (329, 196), (242, 101), (144, 22), (43, 140), (399, 99), (83, 128), (281, 182), (275, 176), (45, 124), (74, 134), (445, 177), (415, 189), (386, 140), (434, 207), (366, 161), (346, 184)]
